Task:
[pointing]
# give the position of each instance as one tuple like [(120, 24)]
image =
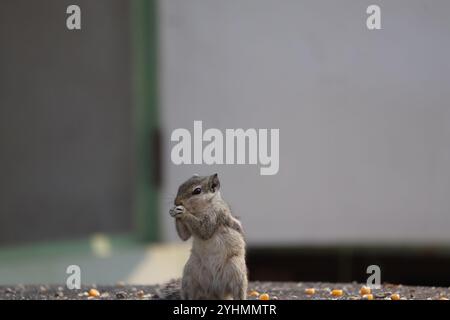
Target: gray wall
[(66, 149), (364, 116)]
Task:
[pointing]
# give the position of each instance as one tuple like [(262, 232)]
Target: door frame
[(147, 180)]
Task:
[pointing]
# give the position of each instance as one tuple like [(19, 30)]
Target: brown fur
[(216, 267)]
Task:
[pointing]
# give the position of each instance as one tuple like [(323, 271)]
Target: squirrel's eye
[(197, 191)]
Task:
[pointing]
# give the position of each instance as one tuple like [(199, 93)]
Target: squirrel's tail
[(170, 290)]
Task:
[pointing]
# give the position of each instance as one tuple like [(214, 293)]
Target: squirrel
[(216, 268)]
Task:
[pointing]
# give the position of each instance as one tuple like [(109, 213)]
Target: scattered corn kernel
[(253, 293), (337, 292), (264, 296), (365, 290), (395, 296), (94, 293), (310, 291), (368, 296), (443, 298)]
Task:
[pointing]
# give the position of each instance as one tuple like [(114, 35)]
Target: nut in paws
[(177, 210)]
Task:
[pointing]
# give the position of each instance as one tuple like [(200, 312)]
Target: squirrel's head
[(197, 192)]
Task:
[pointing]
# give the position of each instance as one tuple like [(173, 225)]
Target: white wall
[(364, 116)]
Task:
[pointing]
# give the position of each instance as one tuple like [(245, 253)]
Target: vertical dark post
[(145, 63)]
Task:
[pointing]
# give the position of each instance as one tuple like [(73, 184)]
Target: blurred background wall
[(86, 118), (363, 115)]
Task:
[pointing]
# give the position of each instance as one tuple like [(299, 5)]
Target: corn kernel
[(368, 296), (395, 296), (443, 298), (94, 293), (253, 293), (310, 291), (365, 290), (264, 296), (337, 292)]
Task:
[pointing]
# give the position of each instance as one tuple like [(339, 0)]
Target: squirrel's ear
[(182, 230), (214, 183)]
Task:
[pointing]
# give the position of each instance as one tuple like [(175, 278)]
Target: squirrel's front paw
[(175, 211)]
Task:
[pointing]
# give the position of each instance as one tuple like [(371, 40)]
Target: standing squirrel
[(216, 267)]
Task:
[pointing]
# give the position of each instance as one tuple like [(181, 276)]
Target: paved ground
[(275, 290)]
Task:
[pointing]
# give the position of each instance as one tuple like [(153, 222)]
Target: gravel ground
[(275, 290)]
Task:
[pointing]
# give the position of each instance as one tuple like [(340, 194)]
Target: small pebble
[(140, 293)]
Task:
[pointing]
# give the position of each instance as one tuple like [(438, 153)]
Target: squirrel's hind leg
[(240, 291), (236, 275), (190, 289), (190, 285)]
